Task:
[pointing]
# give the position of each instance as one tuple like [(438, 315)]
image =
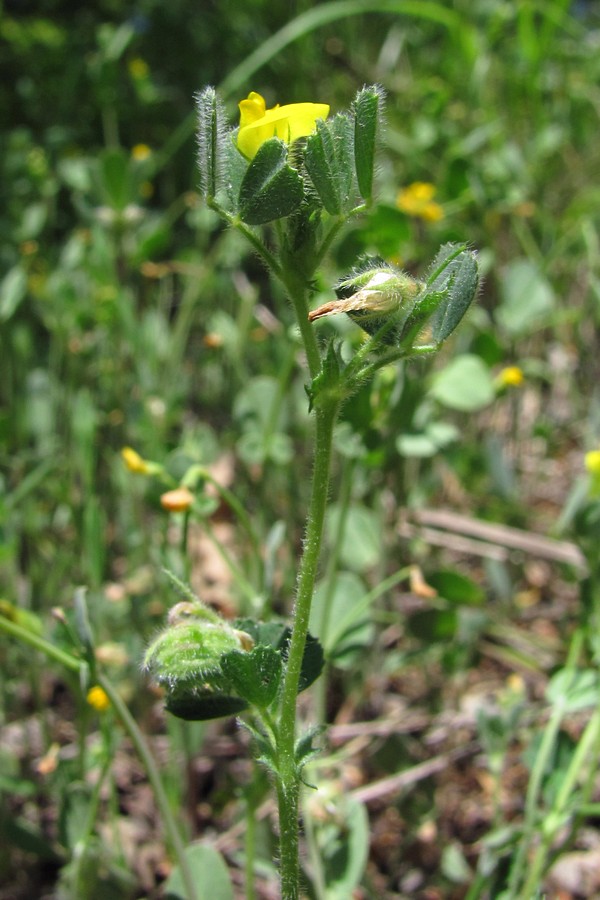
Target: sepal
[(328, 161), (368, 111), (211, 138), (455, 273)]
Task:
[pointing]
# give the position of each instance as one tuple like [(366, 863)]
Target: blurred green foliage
[(128, 316)]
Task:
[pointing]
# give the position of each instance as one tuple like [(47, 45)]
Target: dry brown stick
[(502, 535), (454, 542), (338, 734), (395, 783)]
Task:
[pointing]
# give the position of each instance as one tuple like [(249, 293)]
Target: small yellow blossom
[(290, 122), (592, 462), (178, 500), (98, 698), (417, 200), (138, 68), (140, 152), (134, 461), (510, 376)]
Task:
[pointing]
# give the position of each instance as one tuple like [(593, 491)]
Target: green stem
[(335, 229), (236, 573), (234, 504), (295, 285), (288, 780), (167, 818), (90, 821), (250, 850), (539, 770), (39, 643), (267, 257), (556, 819), (345, 495)]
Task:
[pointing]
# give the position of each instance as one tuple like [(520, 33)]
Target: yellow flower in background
[(417, 200), (178, 500), (592, 462), (288, 123), (134, 461), (140, 152), (511, 376), (138, 68), (98, 698)]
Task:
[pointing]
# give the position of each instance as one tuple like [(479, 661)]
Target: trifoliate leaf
[(271, 188), (328, 160), (255, 675)]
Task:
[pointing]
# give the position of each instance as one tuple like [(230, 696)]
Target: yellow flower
[(178, 500), (417, 200), (290, 122), (510, 376), (98, 698), (134, 461), (592, 462), (138, 68), (140, 152)]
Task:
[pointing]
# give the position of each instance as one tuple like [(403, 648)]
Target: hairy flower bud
[(191, 647), (371, 296)]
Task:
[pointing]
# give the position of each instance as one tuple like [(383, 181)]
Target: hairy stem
[(288, 786)]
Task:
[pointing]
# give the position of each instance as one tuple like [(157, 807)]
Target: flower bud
[(191, 647), (133, 461), (177, 500), (371, 296)]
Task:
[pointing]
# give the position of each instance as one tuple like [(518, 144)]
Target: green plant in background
[(304, 175), (111, 335)]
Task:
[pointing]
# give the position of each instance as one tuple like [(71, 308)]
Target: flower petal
[(288, 123), (251, 109)]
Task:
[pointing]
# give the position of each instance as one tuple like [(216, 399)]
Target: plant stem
[(518, 872), (250, 851), (345, 494), (267, 257), (295, 286), (166, 815), (559, 814), (288, 780), (39, 643)]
